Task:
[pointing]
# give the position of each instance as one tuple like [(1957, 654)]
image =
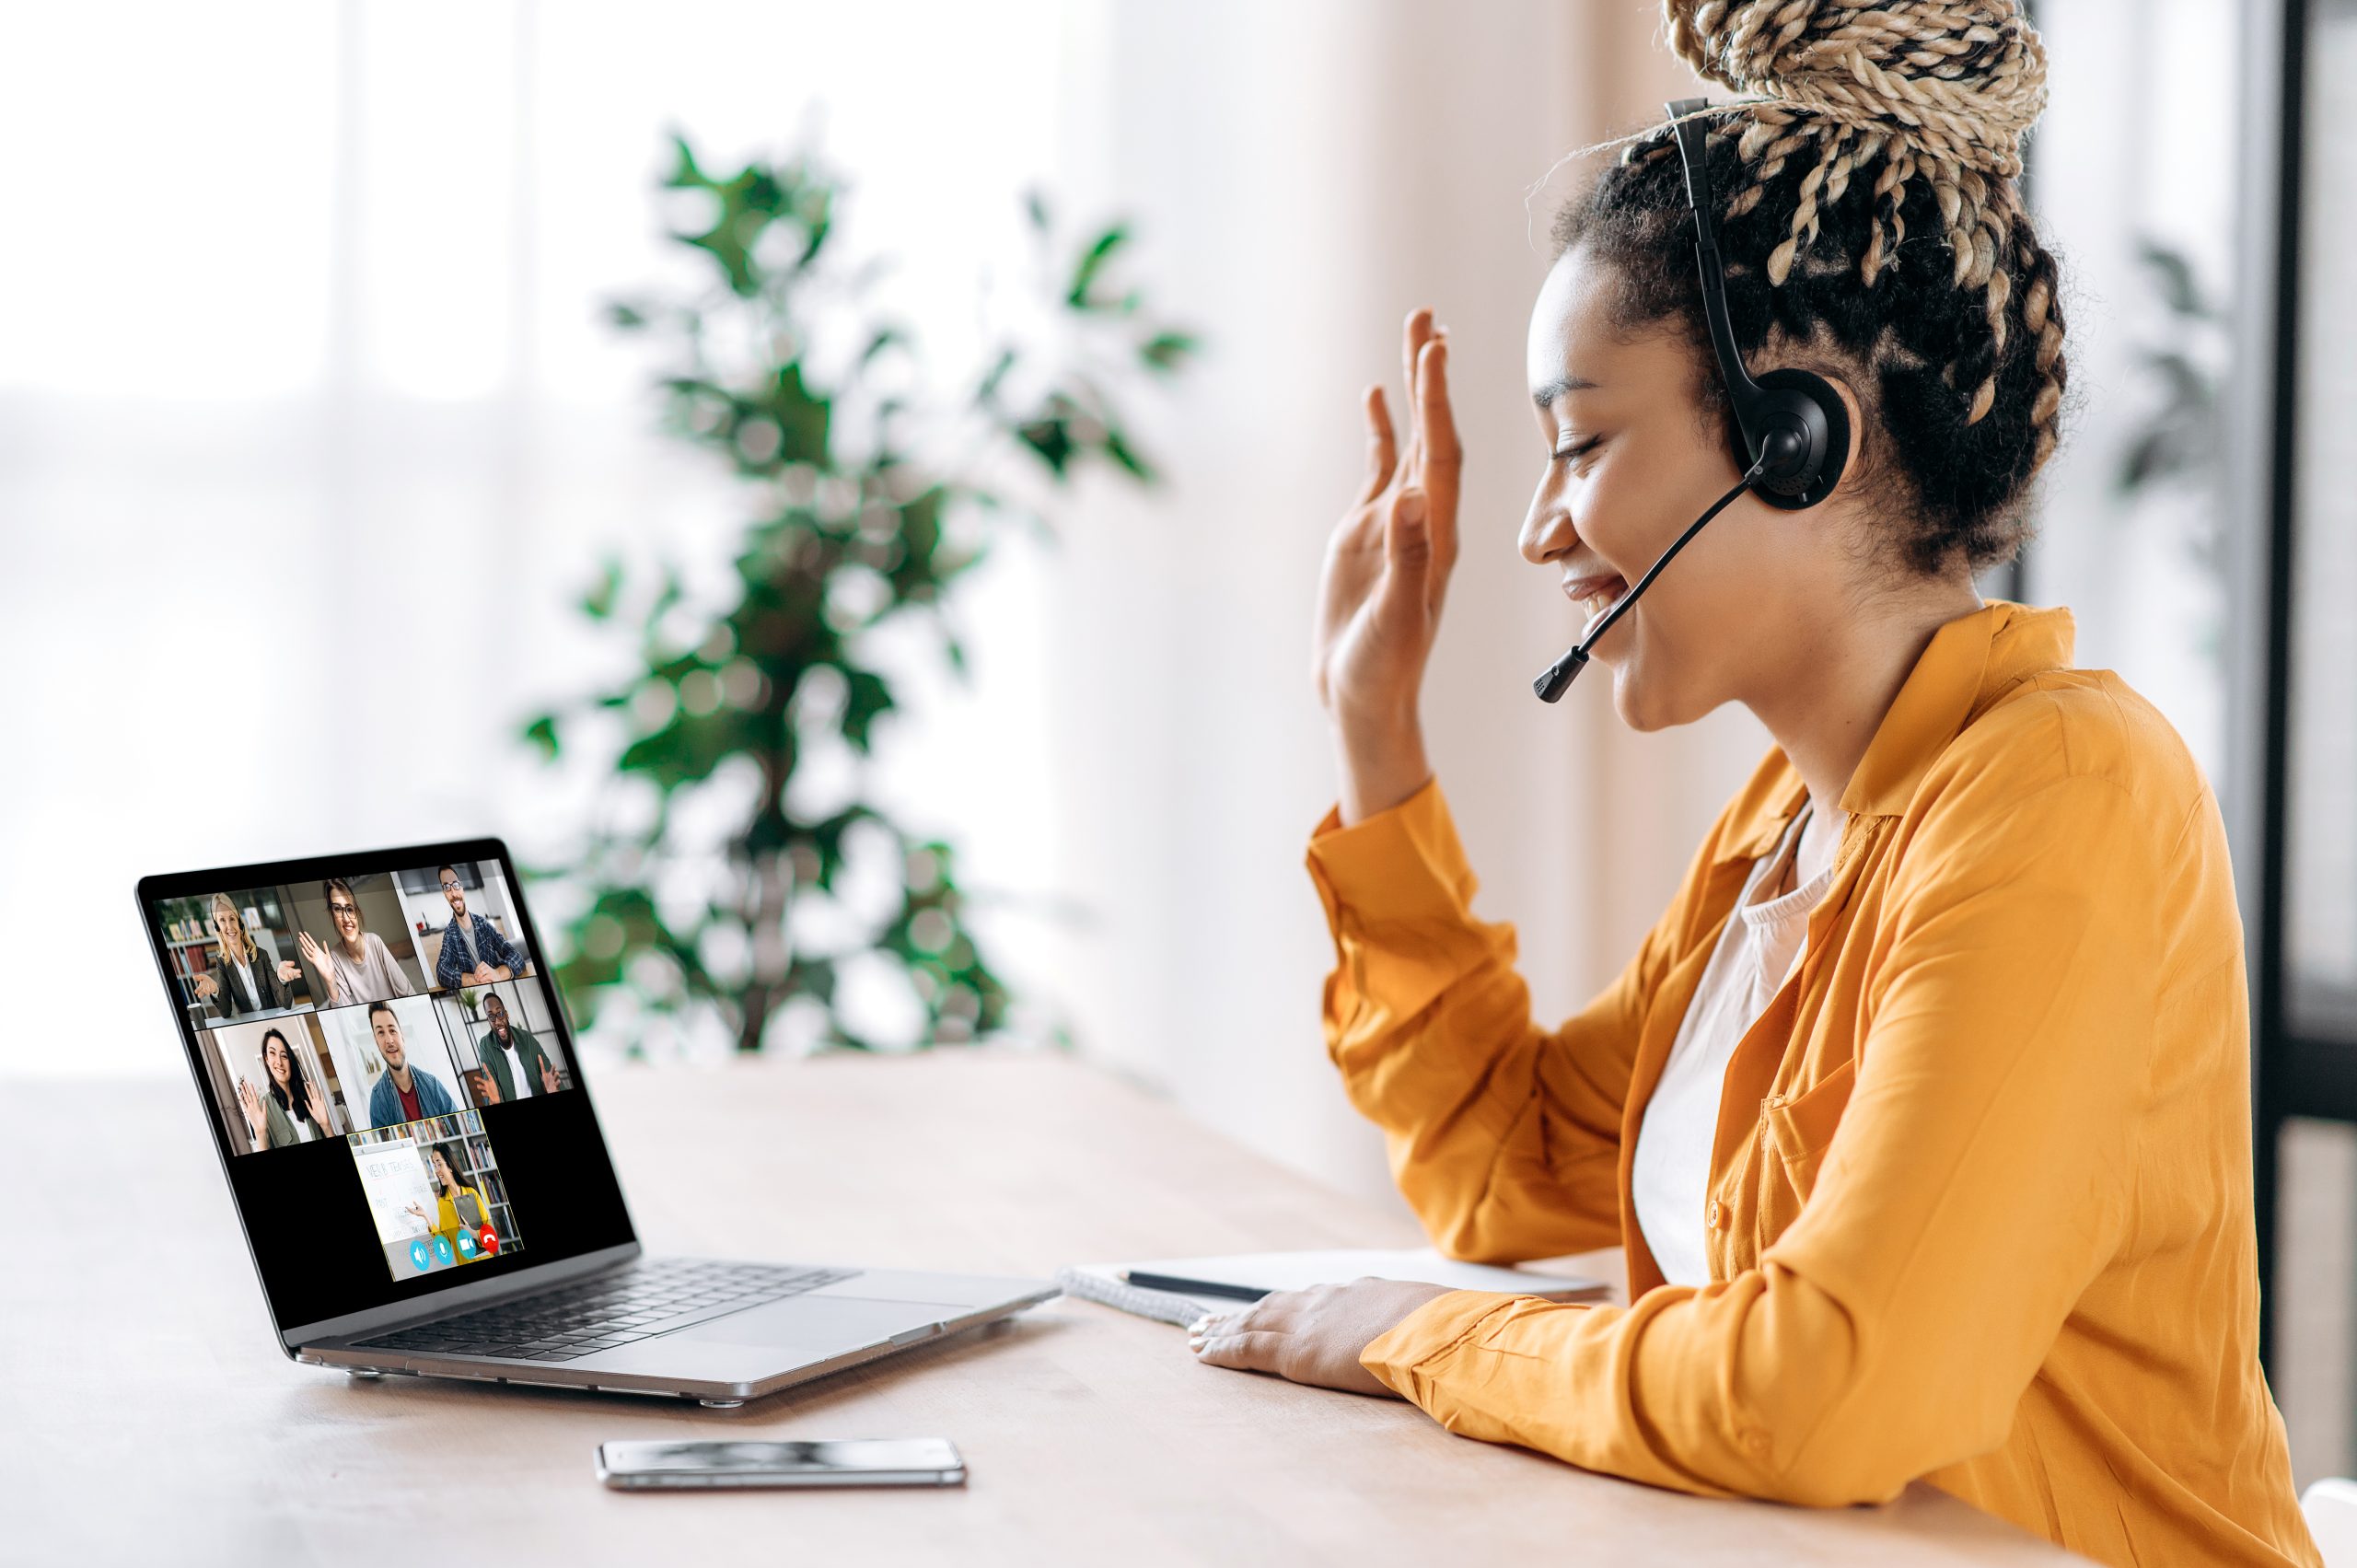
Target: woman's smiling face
[(1632, 462)]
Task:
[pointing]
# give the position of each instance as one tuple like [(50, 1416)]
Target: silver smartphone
[(863, 1461)]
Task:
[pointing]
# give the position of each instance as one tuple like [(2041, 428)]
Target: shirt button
[(1718, 1214)]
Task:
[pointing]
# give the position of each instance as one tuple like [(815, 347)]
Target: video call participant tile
[(435, 1194), (274, 1083), (503, 1038), (393, 1060)]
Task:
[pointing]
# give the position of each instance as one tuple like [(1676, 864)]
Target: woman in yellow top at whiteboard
[(461, 1210)]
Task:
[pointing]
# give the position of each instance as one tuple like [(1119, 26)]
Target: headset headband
[(1791, 417)]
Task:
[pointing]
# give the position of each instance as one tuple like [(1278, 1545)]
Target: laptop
[(407, 1130)]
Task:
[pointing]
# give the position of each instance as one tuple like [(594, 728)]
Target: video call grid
[(283, 1066)]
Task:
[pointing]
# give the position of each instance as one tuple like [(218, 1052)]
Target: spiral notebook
[(1241, 1277)]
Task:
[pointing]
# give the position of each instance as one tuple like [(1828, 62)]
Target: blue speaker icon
[(418, 1255)]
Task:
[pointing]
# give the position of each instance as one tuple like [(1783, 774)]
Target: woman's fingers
[(1441, 458), (1435, 424), (1254, 1350), (1414, 335), (1382, 447)]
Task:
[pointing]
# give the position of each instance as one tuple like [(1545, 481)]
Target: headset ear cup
[(1809, 391)]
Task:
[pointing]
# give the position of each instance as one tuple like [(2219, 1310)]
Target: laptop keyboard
[(612, 1310)]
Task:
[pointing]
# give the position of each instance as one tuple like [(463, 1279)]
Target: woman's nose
[(1547, 533)]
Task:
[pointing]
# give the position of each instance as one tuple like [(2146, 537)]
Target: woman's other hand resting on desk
[(1311, 1336), (1379, 596)]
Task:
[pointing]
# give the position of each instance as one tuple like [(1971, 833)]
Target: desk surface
[(146, 1415)]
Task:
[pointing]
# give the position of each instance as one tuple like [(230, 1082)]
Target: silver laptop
[(407, 1135)]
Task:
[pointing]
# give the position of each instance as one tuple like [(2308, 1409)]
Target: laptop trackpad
[(813, 1324)]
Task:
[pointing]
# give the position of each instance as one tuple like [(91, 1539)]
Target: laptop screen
[(388, 1071)]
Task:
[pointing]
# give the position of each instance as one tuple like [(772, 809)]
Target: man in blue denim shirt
[(401, 1093), (473, 952)]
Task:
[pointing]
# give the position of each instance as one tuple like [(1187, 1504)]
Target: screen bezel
[(530, 1273)]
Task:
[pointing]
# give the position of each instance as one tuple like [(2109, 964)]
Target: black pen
[(1144, 1281)]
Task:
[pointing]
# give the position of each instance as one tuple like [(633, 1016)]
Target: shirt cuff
[(1402, 1358), (1404, 865)]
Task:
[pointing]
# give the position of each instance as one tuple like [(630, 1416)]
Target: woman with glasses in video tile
[(356, 963)]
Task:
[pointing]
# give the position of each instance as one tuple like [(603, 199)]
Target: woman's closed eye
[(1572, 451)]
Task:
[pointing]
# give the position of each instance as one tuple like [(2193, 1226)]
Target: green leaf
[(1120, 452), (689, 748), (1167, 351), (1052, 439), (597, 604), (812, 977), (1092, 262), (994, 375), (684, 174), (802, 418), (541, 732), (867, 699), (673, 591)]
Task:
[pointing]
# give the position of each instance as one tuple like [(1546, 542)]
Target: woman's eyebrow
[(1544, 396)]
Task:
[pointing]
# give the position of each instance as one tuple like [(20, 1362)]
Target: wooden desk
[(146, 1416)]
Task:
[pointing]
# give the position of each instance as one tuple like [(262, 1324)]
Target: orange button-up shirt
[(1980, 1196)]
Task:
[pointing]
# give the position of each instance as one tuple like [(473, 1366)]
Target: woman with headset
[(1922, 1112)]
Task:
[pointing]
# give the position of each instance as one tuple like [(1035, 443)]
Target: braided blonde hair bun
[(1872, 218)]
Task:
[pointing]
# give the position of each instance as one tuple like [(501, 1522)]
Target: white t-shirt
[(1758, 951), (524, 1088)]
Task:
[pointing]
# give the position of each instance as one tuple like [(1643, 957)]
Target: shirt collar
[(1967, 666)]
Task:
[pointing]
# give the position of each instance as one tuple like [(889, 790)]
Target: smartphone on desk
[(864, 1461)]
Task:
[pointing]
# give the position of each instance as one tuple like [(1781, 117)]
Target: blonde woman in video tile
[(294, 1110), (358, 966), (249, 982)]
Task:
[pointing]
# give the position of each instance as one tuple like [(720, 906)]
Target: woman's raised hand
[(318, 959), (1386, 569), (248, 1101)]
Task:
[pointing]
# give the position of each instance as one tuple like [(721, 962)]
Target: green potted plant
[(858, 518)]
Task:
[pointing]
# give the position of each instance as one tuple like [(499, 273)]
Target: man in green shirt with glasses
[(518, 1067)]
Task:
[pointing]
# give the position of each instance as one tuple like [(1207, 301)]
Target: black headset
[(1792, 428)]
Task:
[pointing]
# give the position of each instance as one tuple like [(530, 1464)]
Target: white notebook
[(1135, 1287)]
